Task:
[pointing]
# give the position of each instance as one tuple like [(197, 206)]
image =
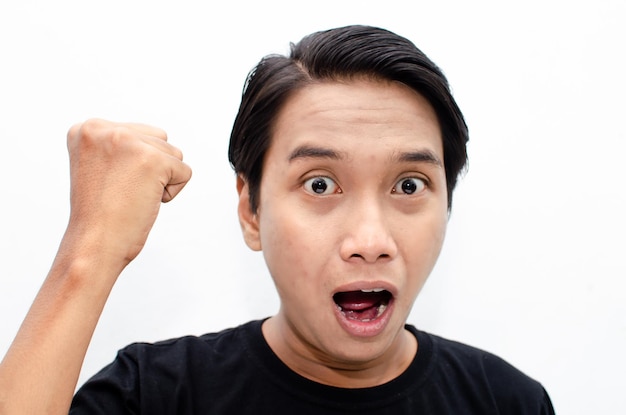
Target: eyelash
[(402, 181), (398, 187), (322, 180)]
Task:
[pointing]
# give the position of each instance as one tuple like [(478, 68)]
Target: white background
[(533, 266)]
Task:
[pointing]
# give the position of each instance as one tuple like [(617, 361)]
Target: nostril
[(381, 256)]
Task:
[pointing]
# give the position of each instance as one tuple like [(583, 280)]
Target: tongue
[(358, 300), (359, 305)]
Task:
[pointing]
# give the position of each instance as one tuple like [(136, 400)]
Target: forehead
[(386, 115)]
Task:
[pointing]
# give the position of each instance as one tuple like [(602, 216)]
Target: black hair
[(335, 54)]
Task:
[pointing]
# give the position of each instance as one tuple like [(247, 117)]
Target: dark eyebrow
[(425, 156), (306, 151), (314, 152)]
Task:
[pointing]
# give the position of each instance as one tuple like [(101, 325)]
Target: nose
[(368, 236)]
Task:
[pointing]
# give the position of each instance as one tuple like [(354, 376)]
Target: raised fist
[(120, 173)]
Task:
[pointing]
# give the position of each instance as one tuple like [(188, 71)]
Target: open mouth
[(363, 305)]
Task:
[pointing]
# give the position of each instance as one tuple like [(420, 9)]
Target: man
[(347, 153)]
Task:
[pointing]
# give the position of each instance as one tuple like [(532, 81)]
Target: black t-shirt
[(236, 372)]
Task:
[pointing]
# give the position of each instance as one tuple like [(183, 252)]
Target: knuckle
[(78, 131), (73, 131), (96, 135), (84, 133), (117, 135), (91, 127), (176, 152)]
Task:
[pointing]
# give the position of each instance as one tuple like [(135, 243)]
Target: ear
[(249, 221)]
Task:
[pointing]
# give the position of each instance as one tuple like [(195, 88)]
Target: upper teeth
[(373, 290)]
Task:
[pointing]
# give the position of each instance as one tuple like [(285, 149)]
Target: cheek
[(439, 230), (422, 246), (294, 251), (437, 233)]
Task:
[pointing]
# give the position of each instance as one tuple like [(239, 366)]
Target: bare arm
[(120, 174)]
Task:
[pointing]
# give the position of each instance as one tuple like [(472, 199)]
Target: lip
[(366, 329)]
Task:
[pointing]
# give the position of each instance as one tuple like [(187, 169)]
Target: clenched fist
[(120, 173)]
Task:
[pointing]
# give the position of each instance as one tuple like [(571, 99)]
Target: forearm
[(39, 372), (120, 174)]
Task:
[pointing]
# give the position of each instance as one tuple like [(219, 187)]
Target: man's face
[(351, 219)]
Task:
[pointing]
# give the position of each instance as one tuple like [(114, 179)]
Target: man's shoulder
[(465, 357), (469, 369), (219, 344), (162, 377)]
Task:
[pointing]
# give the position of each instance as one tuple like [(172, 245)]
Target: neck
[(317, 366)]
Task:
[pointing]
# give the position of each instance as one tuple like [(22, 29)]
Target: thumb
[(180, 174)]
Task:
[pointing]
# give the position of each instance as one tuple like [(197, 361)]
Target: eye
[(321, 185), (409, 185)]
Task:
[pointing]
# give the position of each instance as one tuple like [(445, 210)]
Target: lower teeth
[(351, 314)]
